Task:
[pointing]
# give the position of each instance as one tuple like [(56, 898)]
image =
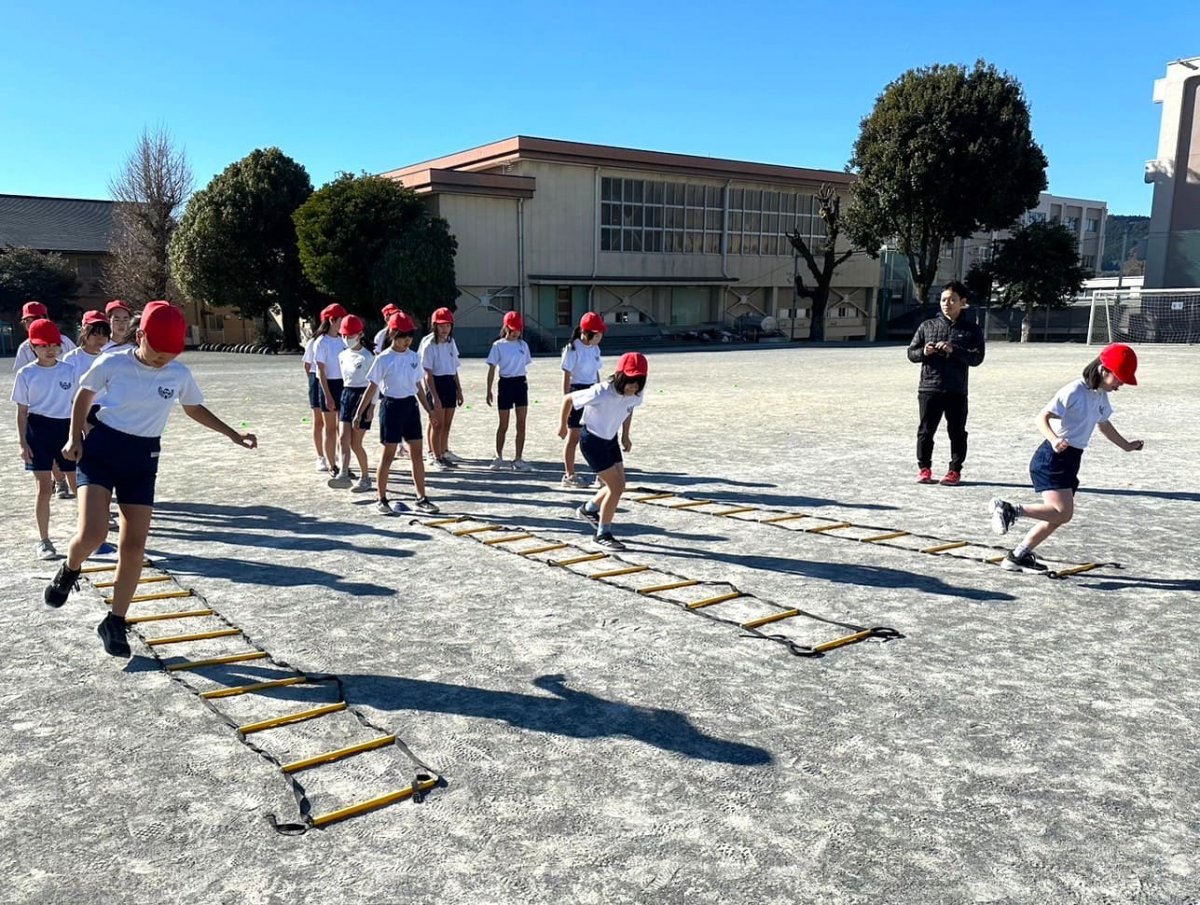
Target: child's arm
[(458, 389), (22, 423), (431, 389), (202, 415), (491, 375), (626, 443), (1057, 443), (330, 402), (365, 402), (1114, 435), (565, 410), (566, 381), (79, 411)]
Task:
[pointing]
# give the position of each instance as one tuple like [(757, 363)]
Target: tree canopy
[(1038, 267), (26, 274), (945, 153)]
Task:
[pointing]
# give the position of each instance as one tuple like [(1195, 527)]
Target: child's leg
[(444, 438), (345, 441), (318, 432), (360, 452), (501, 433), (94, 501), (329, 440), (385, 468), (521, 412), (613, 480), (131, 551), (1056, 509), (43, 490), (434, 433), (418, 467), (572, 444)]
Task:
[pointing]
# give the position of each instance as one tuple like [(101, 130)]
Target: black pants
[(933, 406)]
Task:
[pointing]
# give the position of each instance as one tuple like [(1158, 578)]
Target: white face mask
[(347, 343)]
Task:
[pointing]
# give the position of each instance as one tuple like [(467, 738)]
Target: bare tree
[(150, 190), (823, 267)]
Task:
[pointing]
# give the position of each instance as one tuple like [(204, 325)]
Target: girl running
[(581, 369), (355, 360), (607, 407), (43, 392), (439, 359), (396, 374), (326, 347), (1079, 408), (30, 312), (120, 455), (120, 320), (511, 355), (314, 404)]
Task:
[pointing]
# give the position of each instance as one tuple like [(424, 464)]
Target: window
[(562, 307), (1072, 223), (1088, 262), (1092, 225), (1037, 217), (214, 323)]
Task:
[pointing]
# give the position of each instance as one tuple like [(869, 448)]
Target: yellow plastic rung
[(613, 573), (438, 522), (774, 520), (298, 717), (834, 527), (942, 548), (373, 804), (199, 636), (157, 617), (533, 551), (217, 661), (891, 535), (330, 757), (720, 598), (148, 579), (995, 560), (506, 540), (587, 557), (162, 595), (671, 586), (690, 504), (842, 642), (767, 620), (735, 510), (108, 568), (1075, 570), (479, 530), (256, 686), (651, 496)]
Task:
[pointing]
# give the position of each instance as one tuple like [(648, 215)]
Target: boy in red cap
[(1079, 408), (581, 369), (30, 312), (135, 393), (43, 391), (511, 356), (439, 359), (607, 408)]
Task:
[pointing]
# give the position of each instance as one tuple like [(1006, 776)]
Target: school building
[(664, 246)]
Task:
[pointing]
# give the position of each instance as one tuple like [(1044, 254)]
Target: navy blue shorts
[(351, 397), (446, 388), (399, 419), (599, 453), (1052, 470), (123, 463), (46, 437), (575, 418), (335, 388), (514, 391), (314, 391)]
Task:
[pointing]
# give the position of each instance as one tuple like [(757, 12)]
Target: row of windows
[(1091, 224)]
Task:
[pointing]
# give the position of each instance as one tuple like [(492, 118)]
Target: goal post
[(1138, 315)]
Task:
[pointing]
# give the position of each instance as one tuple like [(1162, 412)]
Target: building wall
[(1173, 248)]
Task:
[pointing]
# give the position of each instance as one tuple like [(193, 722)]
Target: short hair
[(621, 380), (1093, 374), (957, 288)]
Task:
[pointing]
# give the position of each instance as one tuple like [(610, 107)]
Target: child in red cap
[(607, 408), (94, 335), (326, 347), (30, 312), (581, 369), (1079, 408), (135, 393), (355, 361), (120, 320), (439, 359), (511, 356)]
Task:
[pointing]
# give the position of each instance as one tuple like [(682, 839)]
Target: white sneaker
[(577, 480), (437, 464), (457, 460), (364, 484), (64, 490), (498, 464), (521, 465), (383, 507), (321, 464), (341, 480), (45, 550)]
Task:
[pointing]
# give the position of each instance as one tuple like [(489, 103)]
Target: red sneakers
[(925, 476), (952, 479)]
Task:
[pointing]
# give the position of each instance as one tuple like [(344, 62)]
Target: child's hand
[(489, 397), (245, 441), (26, 453), (1061, 446), (1135, 445), (562, 432), (459, 398), (626, 444), (73, 451)]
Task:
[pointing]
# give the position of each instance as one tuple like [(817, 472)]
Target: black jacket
[(946, 373)]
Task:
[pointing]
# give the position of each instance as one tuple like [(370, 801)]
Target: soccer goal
[(1144, 316)]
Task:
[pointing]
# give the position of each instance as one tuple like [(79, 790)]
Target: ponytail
[(577, 334), (323, 328)]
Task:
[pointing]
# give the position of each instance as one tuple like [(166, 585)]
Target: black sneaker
[(61, 585), (423, 505), (593, 517), (446, 463), (607, 542), (1004, 514), (112, 633), (1026, 563)]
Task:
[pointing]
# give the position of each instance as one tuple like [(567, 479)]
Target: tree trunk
[(820, 301), (289, 314), (1027, 324)]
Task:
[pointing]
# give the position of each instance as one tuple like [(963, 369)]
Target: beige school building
[(664, 246)]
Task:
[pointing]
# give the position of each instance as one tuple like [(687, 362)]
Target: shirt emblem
[(166, 392), (65, 384)]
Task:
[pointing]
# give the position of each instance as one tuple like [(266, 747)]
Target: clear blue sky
[(373, 85)]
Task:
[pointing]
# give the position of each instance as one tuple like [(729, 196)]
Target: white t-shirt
[(440, 359), (308, 350), (511, 356), (1079, 410), (80, 360), (135, 398), (397, 374), (111, 346), (354, 364), (381, 342), (582, 361), (25, 353), (48, 392), (325, 351), (604, 410)]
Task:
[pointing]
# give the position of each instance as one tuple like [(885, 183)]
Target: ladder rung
[(298, 717), (495, 541), (651, 496), (373, 804), (109, 567), (149, 579), (217, 661), (690, 504), (735, 510), (199, 636), (670, 586), (331, 756), (774, 520), (767, 620), (257, 686), (842, 642), (836, 526), (438, 522), (942, 548), (720, 598), (1075, 570), (891, 535), (533, 551), (613, 573), (463, 532), (587, 557), (163, 595), (158, 617), (996, 560)]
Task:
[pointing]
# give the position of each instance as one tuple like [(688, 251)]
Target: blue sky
[(372, 86)]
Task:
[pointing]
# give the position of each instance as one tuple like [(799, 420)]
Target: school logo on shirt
[(65, 384), (166, 392)]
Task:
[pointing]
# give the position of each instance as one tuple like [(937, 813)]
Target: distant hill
[(1123, 231)]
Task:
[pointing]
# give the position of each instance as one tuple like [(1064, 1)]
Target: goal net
[(1144, 316)]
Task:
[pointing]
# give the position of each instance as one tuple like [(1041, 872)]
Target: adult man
[(945, 346)]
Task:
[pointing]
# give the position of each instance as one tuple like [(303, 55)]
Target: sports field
[(1026, 740)]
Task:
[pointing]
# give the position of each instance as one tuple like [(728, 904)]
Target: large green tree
[(368, 241), (1038, 267), (236, 244), (946, 152), (27, 274)]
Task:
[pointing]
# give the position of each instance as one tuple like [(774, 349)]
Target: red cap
[(334, 310), (633, 364), (94, 317), (592, 323), (33, 309), (114, 305), (401, 323), (514, 321), (165, 327), (1122, 361), (443, 316), (44, 333), (351, 326), (388, 310)]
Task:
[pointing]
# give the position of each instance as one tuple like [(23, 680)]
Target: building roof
[(522, 147), (426, 181), (55, 224)]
